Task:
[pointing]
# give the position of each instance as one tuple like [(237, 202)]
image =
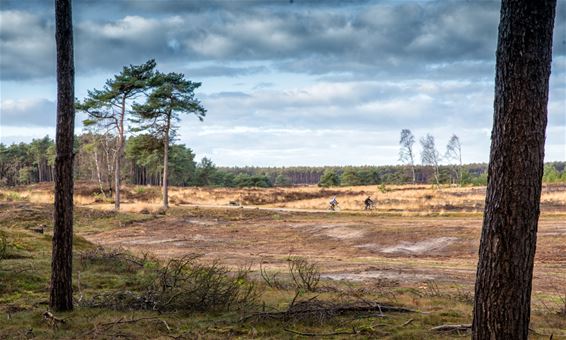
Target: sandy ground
[(403, 250)]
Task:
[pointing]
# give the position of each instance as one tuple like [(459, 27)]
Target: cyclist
[(368, 203), (333, 203)]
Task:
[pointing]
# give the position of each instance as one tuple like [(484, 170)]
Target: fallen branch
[(52, 319), (408, 322), (452, 328), (106, 326), (329, 310), (353, 332), (121, 320)]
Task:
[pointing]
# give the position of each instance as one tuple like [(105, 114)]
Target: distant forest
[(27, 163)]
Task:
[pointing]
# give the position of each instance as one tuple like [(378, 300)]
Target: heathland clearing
[(418, 248)]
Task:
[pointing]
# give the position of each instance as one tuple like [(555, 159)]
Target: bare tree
[(406, 152), (508, 242), (454, 153), (430, 156), (61, 289)]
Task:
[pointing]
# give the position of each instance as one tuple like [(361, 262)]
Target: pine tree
[(171, 96)]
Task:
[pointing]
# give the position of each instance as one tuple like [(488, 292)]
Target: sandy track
[(351, 247)]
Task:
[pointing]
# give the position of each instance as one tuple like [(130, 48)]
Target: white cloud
[(331, 83)]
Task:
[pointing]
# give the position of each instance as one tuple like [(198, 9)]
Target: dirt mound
[(420, 247), (380, 275)]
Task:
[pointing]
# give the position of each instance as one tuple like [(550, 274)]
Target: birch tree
[(430, 155), (454, 153)]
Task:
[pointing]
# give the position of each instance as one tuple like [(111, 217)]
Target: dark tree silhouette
[(61, 290), (508, 240)]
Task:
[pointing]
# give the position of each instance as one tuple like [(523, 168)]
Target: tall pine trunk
[(117, 176), (119, 154), (166, 163), (61, 290), (39, 172), (508, 240)]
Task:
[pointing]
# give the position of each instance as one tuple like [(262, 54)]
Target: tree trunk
[(61, 289), (98, 175), (39, 173), (508, 240), (460, 170), (109, 169), (117, 179), (119, 152), (166, 164), (414, 177)]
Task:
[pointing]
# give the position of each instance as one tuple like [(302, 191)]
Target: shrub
[(184, 284), (329, 179), (305, 274)]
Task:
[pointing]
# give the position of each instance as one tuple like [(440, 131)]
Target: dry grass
[(357, 247), (407, 200)]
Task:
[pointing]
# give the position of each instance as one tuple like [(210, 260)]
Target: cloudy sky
[(284, 82)]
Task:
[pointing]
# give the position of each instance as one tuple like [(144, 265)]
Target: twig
[(297, 293), (166, 325), (452, 328), (353, 332), (52, 319), (108, 325), (407, 322), (121, 321)]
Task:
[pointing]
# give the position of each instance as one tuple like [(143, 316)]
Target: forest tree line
[(27, 163)]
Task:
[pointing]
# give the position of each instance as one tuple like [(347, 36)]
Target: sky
[(285, 83)]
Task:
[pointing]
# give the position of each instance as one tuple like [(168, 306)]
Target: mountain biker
[(333, 203), (368, 203)]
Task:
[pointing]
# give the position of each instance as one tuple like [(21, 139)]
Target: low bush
[(183, 284)]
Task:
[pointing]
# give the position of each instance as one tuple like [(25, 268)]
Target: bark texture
[(166, 162), (61, 290), (117, 173), (119, 154), (508, 240)]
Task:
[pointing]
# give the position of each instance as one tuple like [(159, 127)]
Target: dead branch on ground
[(325, 310), (353, 332), (452, 328), (102, 328), (52, 319)]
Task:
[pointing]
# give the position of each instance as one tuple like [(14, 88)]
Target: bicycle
[(334, 207)]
